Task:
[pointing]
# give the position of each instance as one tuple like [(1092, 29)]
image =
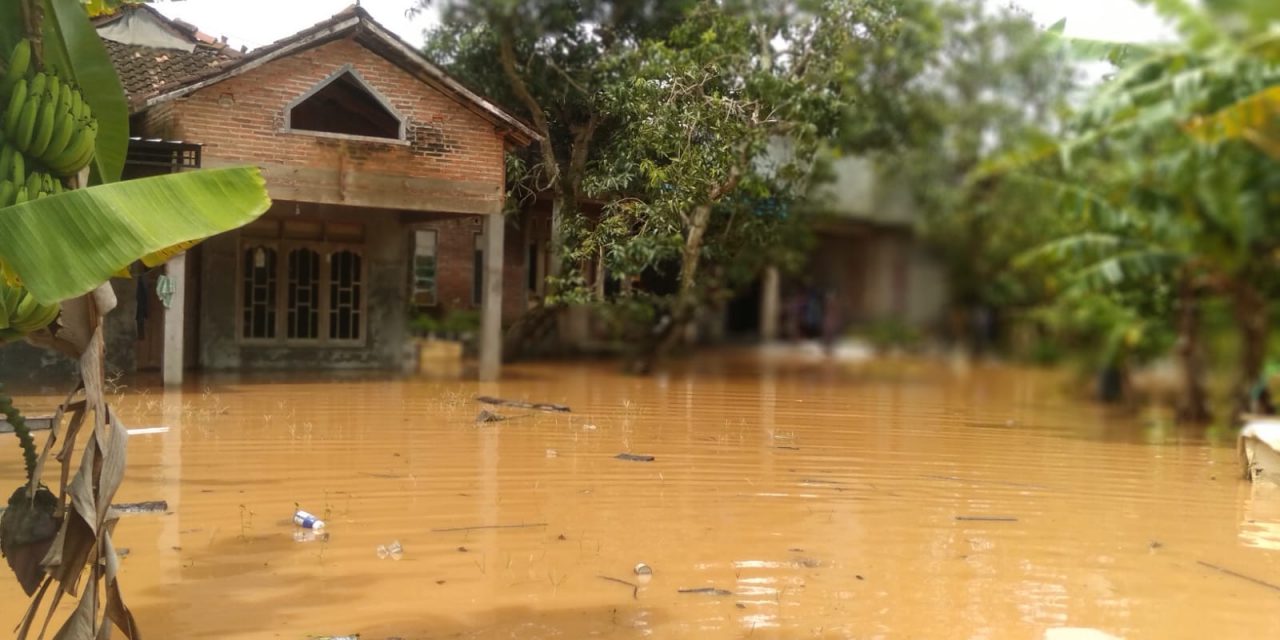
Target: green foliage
[(996, 84), (1163, 190), (719, 126), (20, 429), (454, 323)]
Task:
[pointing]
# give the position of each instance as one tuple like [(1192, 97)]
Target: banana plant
[(64, 234), (1175, 154)]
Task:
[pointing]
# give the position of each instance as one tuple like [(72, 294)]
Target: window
[(345, 104), (259, 292), (423, 270), (320, 270), (531, 266), (344, 295), (303, 307), (477, 271)]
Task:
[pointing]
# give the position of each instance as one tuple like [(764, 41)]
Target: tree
[(549, 60), (719, 126), (65, 229)]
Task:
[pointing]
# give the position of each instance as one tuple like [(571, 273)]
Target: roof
[(150, 51), (354, 23), (143, 70)]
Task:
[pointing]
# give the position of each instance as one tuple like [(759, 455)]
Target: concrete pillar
[(491, 302), (174, 320), (770, 304)]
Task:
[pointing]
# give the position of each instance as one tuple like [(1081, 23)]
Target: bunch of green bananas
[(45, 118), (20, 314), (46, 131), (17, 185)]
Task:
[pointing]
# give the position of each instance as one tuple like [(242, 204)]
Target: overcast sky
[(258, 22)]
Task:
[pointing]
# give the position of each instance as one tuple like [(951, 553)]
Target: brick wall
[(241, 119), (455, 241)]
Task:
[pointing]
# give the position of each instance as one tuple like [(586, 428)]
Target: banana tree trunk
[(1193, 406), (1252, 323)]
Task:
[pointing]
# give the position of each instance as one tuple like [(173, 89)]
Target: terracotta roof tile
[(144, 69)]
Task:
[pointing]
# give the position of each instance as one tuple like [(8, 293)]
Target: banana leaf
[(1255, 118), (72, 45), (65, 245)]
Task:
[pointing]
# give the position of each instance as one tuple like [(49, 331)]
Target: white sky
[(258, 22)]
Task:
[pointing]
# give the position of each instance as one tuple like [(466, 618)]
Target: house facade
[(388, 183)]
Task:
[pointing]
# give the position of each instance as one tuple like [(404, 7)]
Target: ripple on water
[(834, 502)]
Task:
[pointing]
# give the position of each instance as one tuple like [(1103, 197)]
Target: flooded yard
[(787, 498)]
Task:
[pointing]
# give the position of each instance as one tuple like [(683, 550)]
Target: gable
[(354, 24), (275, 88), (345, 103)]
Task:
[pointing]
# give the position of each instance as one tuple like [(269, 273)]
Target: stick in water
[(1236, 574), (492, 526)]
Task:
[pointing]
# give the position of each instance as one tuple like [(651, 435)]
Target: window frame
[(413, 274), (477, 270), (402, 135), (282, 247)]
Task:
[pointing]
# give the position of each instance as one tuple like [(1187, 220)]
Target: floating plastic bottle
[(306, 520)]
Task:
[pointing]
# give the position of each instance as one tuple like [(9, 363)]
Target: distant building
[(867, 256)]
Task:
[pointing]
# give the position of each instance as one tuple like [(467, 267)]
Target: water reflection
[(1260, 524)]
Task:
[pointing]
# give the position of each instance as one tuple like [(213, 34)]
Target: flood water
[(884, 500)]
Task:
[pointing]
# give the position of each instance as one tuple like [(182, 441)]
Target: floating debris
[(635, 588), (708, 591), (1258, 448), (632, 457), (34, 423), (552, 453), (393, 551), (152, 506), (491, 526), (306, 520), (310, 535), (520, 404), (986, 519), (486, 416)]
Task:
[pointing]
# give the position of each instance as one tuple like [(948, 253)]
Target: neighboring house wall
[(869, 252)]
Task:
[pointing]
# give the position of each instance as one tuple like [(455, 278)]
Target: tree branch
[(507, 56), (565, 74), (582, 137)]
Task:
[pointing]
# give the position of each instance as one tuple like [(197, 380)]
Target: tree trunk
[(1193, 406), (686, 304), (1251, 321)]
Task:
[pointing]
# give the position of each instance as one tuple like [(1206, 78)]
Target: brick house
[(388, 182)]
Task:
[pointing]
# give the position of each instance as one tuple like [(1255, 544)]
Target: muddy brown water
[(831, 500)]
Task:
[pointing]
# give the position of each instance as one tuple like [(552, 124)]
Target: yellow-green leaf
[(1255, 118)]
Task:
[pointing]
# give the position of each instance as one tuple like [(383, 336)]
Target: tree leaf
[(65, 245), (71, 42)]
